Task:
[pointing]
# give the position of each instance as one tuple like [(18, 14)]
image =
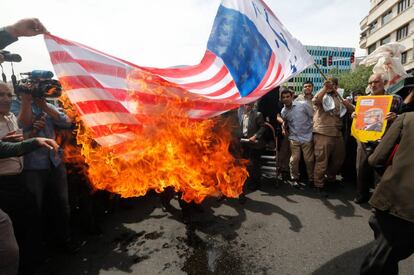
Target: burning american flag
[(163, 115)]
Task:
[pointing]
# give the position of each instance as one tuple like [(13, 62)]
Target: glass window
[(402, 32), (404, 57), (386, 17), (373, 26), (372, 48), (385, 40), (403, 5)]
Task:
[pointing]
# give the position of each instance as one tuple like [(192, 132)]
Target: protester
[(365, 174), (329, 148), (45, 172), (307, 93), (296, 120), (252, 129), (408, 91), (9, 250), (393, 221)]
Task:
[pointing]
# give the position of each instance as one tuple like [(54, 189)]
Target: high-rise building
[(390, 21), (328, 59)]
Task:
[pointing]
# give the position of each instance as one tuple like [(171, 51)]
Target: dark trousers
[(9, 251), (366, 176), (394, 241), (50, 188), (253, 154), (19, 204)]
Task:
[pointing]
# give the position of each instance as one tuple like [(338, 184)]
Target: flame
[(171, 150)]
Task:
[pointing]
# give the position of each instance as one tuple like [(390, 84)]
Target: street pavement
[(279, 230)]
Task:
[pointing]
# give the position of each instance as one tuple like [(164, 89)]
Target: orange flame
[(171, 150)]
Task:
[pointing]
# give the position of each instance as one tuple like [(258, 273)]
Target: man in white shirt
[(9, 131)]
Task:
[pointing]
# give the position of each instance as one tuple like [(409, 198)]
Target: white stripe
[(214, 88), (74, 69), (78, 52), (105, 118), (209, 73), (230, 93), (115, 139), (271, 78), (89, 94)]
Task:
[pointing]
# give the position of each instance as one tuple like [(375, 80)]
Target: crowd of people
[(313, 129), (310, 134)]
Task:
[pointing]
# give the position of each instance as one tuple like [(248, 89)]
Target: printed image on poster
[(370, 123)]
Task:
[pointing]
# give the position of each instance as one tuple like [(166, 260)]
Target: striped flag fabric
[(249, 52)]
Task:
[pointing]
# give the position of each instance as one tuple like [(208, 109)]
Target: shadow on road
[(340, 265)]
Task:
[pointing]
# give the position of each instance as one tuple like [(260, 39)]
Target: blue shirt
[(43, 158), (299, 119)]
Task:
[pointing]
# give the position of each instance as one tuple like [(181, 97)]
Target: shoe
[(361, 199), (294, 183)]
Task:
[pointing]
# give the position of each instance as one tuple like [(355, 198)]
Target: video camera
[(10, 57), (39, 84)]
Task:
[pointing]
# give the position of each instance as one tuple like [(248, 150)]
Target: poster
[(369, 123)]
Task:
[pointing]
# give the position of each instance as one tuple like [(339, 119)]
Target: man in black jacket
[(252, 129)]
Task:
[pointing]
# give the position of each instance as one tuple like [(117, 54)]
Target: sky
[(163, 33)]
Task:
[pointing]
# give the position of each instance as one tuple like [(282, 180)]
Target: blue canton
[(236, 40)]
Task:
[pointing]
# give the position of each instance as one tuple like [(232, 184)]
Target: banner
[(369, 123)]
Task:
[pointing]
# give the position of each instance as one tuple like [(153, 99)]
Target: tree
[(354, 80)]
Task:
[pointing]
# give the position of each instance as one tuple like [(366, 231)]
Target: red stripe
[(207, 83), (100, 106), (186, 71), (223, 90), (278, 74), (70, 43), (79, 82), (61, 57), (105, 69), (120, 94), (89, 66)]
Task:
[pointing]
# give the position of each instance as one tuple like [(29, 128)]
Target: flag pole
[(320, 71)]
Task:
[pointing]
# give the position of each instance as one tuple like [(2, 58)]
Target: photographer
[(45, 172)]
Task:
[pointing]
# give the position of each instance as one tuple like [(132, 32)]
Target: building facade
[(340, 61), (390, 21)]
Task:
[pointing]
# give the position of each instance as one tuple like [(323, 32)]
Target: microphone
[(10, 57)]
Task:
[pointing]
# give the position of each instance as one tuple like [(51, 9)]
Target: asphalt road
[(277, 231)]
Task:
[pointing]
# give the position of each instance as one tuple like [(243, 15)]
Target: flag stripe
[(207, 83), (186, 71), (106, 118), (99, 106)]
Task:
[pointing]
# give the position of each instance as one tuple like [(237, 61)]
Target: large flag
[(249, 52)]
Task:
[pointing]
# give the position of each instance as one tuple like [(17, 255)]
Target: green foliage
[(354, 80)]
